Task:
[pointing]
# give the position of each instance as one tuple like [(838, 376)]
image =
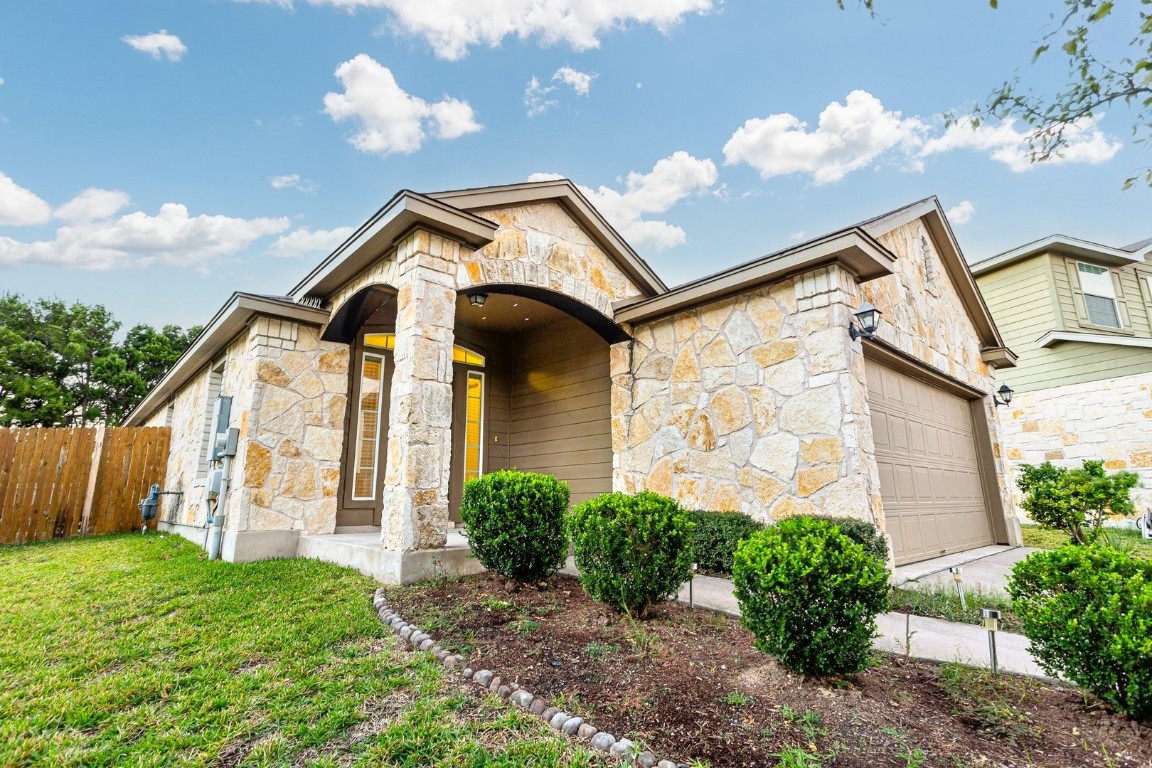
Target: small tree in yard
[(1075, 500), (515, 523)]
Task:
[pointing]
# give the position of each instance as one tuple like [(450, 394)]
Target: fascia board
[(854, 249), (224, 326), (379, 234)]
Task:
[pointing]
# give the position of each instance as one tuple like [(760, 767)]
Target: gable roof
[(1072, 246), (568, 196), (944, 239), (1143, 247)]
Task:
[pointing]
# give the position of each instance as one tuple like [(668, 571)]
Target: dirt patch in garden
[(689, 685)]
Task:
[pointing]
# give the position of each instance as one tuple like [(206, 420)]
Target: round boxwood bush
[(632, 551), (863, 533), (810, 595), (515, 523), (715, 536), (1087, 612)]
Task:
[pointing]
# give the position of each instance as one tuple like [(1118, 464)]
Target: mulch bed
[(689, 685)]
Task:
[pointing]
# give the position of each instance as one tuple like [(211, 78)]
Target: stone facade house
[(462, 332), (1080, 316)]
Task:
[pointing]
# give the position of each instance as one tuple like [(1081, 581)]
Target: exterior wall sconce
[(868, 317), (1005, 397), (477, 299)]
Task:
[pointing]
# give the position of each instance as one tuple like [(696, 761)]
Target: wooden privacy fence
[(77, 481)]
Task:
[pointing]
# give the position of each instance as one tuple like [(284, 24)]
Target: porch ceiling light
[(1005, 393), (868, 317), (477, 299)]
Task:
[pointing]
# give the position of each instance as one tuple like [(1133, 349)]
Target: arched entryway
[(530, 390)]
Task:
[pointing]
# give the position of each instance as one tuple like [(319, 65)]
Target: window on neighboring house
[(1099, 295), (215, 382)]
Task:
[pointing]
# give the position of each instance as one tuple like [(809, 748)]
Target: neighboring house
[(463, 332), (1079, 315)]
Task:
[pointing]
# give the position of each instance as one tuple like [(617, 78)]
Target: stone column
[(415, 509)]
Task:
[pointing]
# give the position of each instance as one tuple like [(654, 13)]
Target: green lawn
[(1127, 540), (136, 651)]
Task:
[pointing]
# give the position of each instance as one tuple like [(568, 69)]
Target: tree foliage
[(60, 364), (1075, 500), (1095, 81)]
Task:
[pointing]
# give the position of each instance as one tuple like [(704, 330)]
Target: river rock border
[(575, 727)]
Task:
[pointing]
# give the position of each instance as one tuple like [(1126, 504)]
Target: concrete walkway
[(931, 639), (985, 569)]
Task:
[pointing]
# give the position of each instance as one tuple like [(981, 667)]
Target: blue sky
[(156, 155)]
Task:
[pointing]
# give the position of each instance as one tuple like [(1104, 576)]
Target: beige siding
[(1033, 297), (559, 417)]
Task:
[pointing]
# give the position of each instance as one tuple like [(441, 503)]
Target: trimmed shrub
[(515, 523), (1075, 500), (632, 551), (715, 536), (1087, 612), (810, 595), (863, 533)]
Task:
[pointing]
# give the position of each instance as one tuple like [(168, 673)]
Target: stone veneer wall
[(292, 432), (1109, 420), (190, 411), (753, 403), (924, 317), (541, 245), (289, 398)]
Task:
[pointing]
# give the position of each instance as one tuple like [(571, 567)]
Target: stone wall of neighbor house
[(292, 430), (1110, 420), (754, 403), (924, 317), (541, 245)]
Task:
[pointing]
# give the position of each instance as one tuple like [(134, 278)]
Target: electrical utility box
[(221, 414)]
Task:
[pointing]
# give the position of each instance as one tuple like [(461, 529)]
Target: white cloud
[(962, 212), (292, 181), (861, 132), (92, 204), (451, 27), (848, 137), (2, 81), (303, 241), (1086, 143), (171, 237), (538, 97), (670, 181), (581, 82), (392, 120), (19, 206), (158, 44)]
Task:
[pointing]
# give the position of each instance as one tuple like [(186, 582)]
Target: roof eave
[(224, 326), (379, 234), (1059, 244), (998, 357), (853, 249)]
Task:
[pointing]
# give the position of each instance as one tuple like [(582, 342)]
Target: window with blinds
[(1099, 295), (368, 428)]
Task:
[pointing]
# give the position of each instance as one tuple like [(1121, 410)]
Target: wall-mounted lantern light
[(1005, 397), (477, 299), (868, 317)]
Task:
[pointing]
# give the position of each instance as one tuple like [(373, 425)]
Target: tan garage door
[(929, 473)]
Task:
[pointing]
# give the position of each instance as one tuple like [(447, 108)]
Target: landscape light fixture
[(1005, 393), (868, 317), (990, 617), (477, 299)]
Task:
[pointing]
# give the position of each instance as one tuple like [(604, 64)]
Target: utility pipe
[(216, 532)]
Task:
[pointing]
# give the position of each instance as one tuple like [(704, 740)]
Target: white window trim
[(360, 429), (1104, 282), (1055, 337)]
